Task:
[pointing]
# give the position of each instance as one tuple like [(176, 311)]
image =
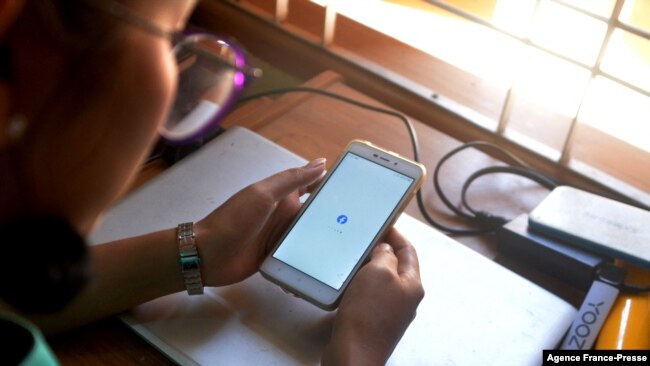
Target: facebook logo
[(342, 219)]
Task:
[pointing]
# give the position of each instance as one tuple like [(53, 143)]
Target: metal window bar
[(613, 23), (616, 23), (506, 111), (281, 11), (580, 10), (626, 27), (595, 70), (330, 23)]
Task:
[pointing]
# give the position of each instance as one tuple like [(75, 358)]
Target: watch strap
[(189, 258)]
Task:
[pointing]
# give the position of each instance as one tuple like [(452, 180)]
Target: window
[(567, 79)]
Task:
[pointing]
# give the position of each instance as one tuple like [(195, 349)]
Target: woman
[(83, 92)]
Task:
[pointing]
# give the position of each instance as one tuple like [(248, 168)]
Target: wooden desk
[(314, 126)]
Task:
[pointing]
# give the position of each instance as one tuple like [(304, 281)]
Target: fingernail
[(316, 163)]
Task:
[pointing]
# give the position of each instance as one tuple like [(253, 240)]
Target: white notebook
[(474, 312)]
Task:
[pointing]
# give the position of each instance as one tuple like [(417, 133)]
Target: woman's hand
[(234, 239), (378, 306)]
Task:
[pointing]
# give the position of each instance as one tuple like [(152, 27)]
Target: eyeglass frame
[(244, 72)]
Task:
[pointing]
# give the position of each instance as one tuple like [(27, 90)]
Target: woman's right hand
[(235, 238), (378, 306)]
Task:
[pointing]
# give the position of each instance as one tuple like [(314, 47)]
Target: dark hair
[(73, 22), (45, 263)]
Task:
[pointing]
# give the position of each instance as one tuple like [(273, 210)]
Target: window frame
[(305, 30)]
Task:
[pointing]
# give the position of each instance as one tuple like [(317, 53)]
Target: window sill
[(444, 97)]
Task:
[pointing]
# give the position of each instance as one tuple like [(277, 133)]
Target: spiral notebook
[(474, 311)]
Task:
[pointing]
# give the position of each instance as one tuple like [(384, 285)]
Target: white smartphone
[(337, 227)]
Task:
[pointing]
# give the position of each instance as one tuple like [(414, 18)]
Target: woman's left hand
[(234, 239)]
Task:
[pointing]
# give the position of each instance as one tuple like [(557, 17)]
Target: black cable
[(633, 289), (402, 117), (486, 222), (615, 276), (488, 218), (473, 144), (537, 177)]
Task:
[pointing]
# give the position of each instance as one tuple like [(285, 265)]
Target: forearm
[(125, 273)]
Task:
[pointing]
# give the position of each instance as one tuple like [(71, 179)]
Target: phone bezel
[(311, 289)]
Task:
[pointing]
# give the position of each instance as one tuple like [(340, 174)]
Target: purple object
[(213, 71)]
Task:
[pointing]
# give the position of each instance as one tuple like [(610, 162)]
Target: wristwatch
[(189, 258)]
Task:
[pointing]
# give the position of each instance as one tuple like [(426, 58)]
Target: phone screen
[(343, 218)]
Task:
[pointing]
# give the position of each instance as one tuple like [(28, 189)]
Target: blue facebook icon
[(342, 219)]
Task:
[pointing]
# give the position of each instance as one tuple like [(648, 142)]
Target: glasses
[(213, 72)]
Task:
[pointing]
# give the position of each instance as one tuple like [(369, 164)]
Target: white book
[(474, 312)]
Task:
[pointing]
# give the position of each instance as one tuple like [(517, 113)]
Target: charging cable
[(479, 221), (595, 308), (608, 284), (486, 221)]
